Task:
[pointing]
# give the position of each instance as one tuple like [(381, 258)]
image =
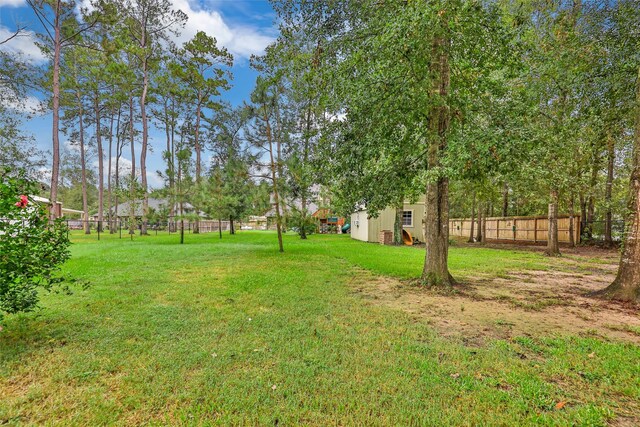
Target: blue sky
[(244, 27)]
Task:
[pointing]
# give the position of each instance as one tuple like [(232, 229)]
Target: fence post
[(515, 229), (497, 229), (535, 230)]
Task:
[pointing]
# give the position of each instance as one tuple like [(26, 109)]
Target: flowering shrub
[(24, 201), (31, 248)]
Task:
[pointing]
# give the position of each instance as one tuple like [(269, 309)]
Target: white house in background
[(368, 229), (57, 207)]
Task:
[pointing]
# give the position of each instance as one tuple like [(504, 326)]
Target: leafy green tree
[(401, 79), (557, 61), (623, 36), (211, 198), (17, 76), (149, 23), (72, 192), (203, 67), (267, 133), (231, 163), (73, 98), (62, 30), (260, 198), (18, 148), (169, 108)]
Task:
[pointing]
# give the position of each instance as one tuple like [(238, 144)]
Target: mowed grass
[(231, 332)]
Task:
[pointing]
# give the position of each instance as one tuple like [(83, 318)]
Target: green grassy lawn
[(231, 332)]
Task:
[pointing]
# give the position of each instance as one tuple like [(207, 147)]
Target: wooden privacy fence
[(519, 229)]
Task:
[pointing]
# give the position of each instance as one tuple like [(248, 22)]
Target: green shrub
[(298, 223), (31, 248)]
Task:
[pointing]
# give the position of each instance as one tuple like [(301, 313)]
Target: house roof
[(42, 199), (155, 204)]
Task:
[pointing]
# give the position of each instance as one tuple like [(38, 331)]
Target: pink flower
[(24, 201)]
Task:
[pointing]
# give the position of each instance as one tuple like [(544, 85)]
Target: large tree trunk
[(303, 180), (583, 216), (505, 200), (473, 218), (168, 120), (626, 286), (100, 163), (484, 224), (274, 179), (180, 201), (83, 166), (55, 164), (572, 240), (591, 201), (109, 194), (397, 225), (303, 216), (611, 157), (479, 230), (132, 185), (119, 148), (198, 148), (553, 249), (145, 141), (436, 268), (173, 143)]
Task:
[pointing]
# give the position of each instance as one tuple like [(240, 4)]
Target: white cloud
[(124, 167), (12, 3), (32, 105), (71, 146), (29, 105), (154, 181), (44, 175), (242, 41), (22, 45)]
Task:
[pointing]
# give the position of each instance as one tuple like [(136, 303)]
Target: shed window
[(407, 218)]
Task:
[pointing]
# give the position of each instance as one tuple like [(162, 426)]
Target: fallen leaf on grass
[(456, 375), (561, 404)]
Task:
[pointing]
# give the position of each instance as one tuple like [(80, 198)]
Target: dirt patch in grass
[(531, 303)]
